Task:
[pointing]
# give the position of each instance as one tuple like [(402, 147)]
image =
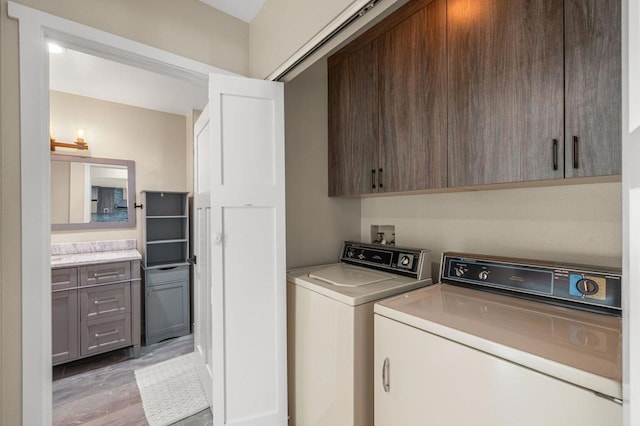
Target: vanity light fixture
[(80, 143)]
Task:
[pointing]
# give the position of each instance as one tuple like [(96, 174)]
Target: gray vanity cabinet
[(95, 309), (166, 265), (64, 325)]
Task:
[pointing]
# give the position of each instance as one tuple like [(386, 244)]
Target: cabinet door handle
[(100, 302), (106, 333), (373, 178), (385, 375), (110, 274), (555, 154), (575, 152), (379, 178)]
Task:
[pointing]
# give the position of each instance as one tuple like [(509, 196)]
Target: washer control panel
[(415, 263), (589, 287)]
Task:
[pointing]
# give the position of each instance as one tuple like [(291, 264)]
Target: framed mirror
[(92, 193)]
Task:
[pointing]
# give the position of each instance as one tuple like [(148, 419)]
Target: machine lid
[(349, 276)]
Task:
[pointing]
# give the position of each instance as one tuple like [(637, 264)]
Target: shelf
[(184, 240)]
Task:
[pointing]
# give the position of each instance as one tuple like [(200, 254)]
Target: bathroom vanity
[(95, 298)]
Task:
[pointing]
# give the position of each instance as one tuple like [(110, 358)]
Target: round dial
[(587, 286), (483, 275), (405, 261), (458, 271)]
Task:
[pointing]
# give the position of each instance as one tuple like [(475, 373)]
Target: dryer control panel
[(410, 262), (578, 286)]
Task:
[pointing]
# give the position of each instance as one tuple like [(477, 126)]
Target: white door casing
[(248, 254), (202, 252)]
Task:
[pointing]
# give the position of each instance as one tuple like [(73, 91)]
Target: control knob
[(587, 286), (483, 275), (405, 261), (458, 271)]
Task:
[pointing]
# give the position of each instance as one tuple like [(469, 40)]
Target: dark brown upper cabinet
[(474, 92), (505, 91), (387, 105), (592, 88), (412, 72), (353, 122)]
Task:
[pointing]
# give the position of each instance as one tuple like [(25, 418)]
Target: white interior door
[(248, 251), (202, 314)]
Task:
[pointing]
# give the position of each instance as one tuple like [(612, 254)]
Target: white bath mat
[(170, 390)]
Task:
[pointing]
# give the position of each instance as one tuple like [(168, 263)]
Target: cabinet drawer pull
[(106, 333), (379, 178), (575, 152), (385, 375), (373, 178), (110, 274), (100, 302), (555, 154)]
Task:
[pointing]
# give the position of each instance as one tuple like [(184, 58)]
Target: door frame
[(34, 28)]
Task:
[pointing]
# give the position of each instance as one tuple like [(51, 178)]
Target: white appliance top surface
[(350, 276), (353, 285), (578, 347)]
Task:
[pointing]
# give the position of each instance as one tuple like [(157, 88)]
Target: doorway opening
[(144, 118), (34, 29)]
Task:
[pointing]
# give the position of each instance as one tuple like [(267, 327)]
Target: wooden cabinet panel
[(105, 334), (64, 278), (104, 301), (104, 273), (64, 325), (353, 122), (593, 87), (413, 102), (166, 311), (505, 61)]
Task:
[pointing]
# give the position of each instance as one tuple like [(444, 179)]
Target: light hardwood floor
[(102, 390)]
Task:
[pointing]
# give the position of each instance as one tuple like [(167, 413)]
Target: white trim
[(34, 27)]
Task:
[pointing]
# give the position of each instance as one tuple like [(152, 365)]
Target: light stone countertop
[(85, 253)]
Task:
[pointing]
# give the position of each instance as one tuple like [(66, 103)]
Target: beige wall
[(187, 27), (316, 224), (155, 140), (571, 223), (284, 26)]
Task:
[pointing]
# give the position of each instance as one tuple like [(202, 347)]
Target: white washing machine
[(330, 330)]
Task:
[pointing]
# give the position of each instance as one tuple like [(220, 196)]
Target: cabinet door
[(505, 90), (353, 123), (413, 102), (593, 87), (167, 311), (436, 381), (64, 326)]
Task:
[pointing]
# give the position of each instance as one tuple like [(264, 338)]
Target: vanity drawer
[(104, 301), (105, 334), (64, 278), (105, 273)]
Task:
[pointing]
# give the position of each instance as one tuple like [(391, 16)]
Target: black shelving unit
[(166, 264)]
